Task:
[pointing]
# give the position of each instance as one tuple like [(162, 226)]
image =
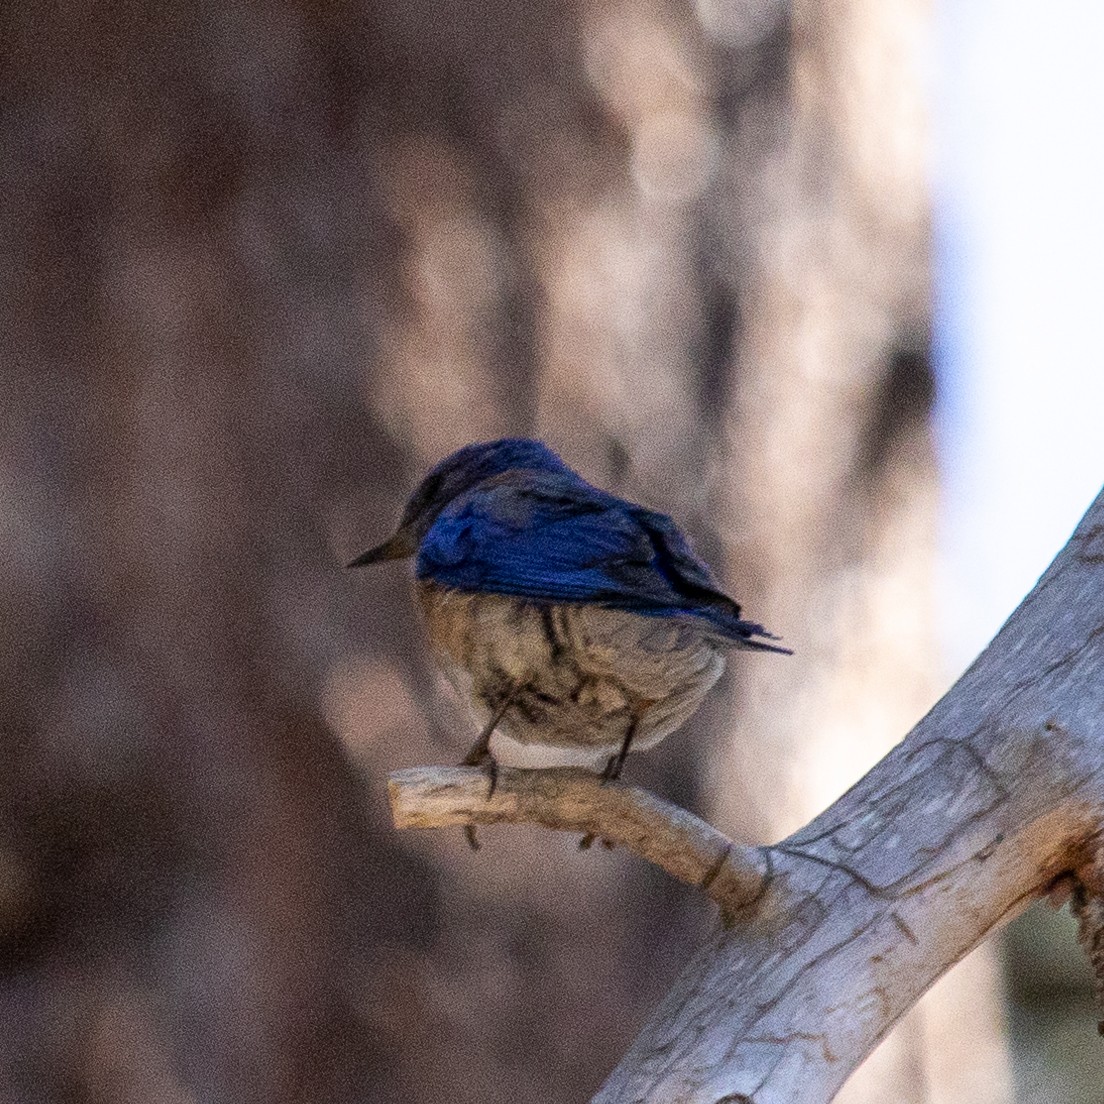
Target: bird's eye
[(423, 496), (430, 487)]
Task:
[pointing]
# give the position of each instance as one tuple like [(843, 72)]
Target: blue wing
[(552, 537)]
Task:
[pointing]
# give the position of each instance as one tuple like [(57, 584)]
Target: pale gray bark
[(996, 793), (995, 796)]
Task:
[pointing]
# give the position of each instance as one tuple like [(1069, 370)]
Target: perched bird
[(577, 624)]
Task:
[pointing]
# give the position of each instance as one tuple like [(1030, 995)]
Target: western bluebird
[(576, 623)]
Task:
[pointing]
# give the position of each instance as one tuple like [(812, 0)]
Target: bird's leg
[(480, 753), (613, 769), (587, 840), (617, 762)]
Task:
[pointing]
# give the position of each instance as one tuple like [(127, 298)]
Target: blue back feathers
[(509, 517)]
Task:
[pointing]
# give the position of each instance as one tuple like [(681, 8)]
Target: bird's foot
[(610, 774), (481, 757), (613, 769), (586, 842)]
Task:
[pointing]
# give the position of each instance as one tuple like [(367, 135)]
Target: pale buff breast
[(585, 672)]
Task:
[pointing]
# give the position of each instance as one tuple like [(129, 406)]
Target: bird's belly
[(581, 674)]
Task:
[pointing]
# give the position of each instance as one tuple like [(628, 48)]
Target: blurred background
[(819, 279)]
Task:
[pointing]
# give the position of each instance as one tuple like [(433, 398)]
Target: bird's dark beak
[(398, 547)]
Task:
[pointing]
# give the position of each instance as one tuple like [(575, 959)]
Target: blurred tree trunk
[(832, 518)]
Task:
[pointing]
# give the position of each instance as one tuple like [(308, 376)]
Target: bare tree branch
[(995, 796), (997, 792), (576, 801)]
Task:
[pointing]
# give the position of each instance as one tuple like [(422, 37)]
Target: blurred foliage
[(1051, 1011)]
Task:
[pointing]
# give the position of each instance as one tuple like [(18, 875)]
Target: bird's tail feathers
[(750, 640), (746, 634)]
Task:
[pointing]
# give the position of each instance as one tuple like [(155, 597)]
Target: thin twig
[(571, 800)]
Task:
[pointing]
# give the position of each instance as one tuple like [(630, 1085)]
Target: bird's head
[(451, 477)]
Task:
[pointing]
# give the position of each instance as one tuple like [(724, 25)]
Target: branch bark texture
[(994, 794)]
